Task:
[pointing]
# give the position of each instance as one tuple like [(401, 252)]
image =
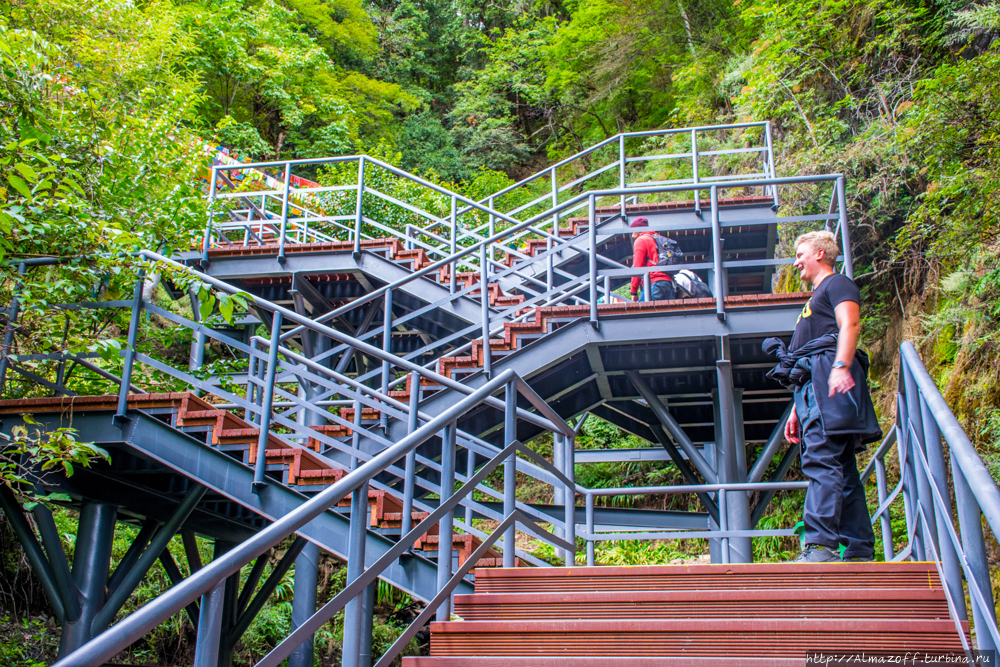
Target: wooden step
[(746, 576), (741, 637), (598, 661), (902, 603)]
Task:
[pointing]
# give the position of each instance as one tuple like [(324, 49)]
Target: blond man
[(832, 415)]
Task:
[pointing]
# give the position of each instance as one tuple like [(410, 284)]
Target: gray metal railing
[(924, 425)]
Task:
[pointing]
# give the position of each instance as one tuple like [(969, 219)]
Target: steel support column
[(738, 506), (304, 601), (353, 611), (367, 625), (91, 562)]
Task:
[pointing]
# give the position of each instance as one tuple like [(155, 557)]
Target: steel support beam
[(672, 427), (304, 601), (738, 509), (91, 561)]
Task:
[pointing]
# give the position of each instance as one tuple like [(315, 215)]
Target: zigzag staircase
[(362, 335)]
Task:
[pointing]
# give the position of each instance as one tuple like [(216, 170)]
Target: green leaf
[(19, 185), (206, 307), (26, 171)]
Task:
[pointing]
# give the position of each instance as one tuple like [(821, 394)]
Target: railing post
[(845, 235), (386, 346), (723, 525), (131, 341), (770, 160), (880, 482), (358, 210), (550, 280), (267, 399), (647, 286), (454, 244), (589, 499), (509, 470), (719, 277), (970, 525), (558, 489), (284, 213), (206, 242), (592, 252), (569, 498), (939, 477), (411, 456), (446, 525), (924, 498), (621, 175), (910, 495), (694, 171), (8, 333), (484, 300), (354, 609)]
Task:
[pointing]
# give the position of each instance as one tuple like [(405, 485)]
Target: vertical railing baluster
[(694, 171), (880, 483), (770, 161), (11, 325), (411, 456), (723, 525), (484, 300), (719, 277), (569, 498), (358, 210), (592, 243), (454, 244), (130, 342), (550, 281), (266, 400), (970, 525), (845, 235), (509, 469), (591, 556), (939, 477), (206, 242), (386, 346), (621, 175), (284, 213)]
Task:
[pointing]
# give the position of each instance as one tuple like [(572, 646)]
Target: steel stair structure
[(361, 408)]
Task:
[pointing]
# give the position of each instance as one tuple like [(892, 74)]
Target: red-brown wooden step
[(708, 577), (902, 603), (757, 638)]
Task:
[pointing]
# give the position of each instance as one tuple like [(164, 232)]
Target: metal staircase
[(359, 393)]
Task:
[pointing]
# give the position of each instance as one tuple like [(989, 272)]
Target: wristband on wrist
[(839, 364)]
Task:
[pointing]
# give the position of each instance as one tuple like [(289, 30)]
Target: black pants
[(662, 290), (836, 511)]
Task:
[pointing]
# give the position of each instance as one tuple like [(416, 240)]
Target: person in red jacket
[(645, 253)]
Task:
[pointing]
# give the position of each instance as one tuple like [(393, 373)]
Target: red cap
[(639, 222)]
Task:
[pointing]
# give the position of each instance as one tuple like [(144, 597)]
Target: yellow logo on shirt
[(806, 311)]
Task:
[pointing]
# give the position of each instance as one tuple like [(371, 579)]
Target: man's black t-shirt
[(818, 316)]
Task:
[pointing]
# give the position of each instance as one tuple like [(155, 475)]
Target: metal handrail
[(922, 420), (137, 624)]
